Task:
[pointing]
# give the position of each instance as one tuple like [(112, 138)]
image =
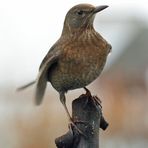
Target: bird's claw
[(97, 101), (72, 125), (88, 93)]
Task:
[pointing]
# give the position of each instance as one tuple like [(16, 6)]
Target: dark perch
[(87, 115)]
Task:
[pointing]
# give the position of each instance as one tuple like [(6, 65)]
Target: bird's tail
[(25, 86)]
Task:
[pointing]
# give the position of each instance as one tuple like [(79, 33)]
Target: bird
[(76, 59)]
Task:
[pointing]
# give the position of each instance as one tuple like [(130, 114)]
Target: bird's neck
[(72, 33)]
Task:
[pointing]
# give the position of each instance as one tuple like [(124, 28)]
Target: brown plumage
[(77, 58)]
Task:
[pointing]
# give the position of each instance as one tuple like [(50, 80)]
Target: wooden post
[(87, 115)]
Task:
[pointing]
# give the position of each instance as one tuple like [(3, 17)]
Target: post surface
[(87, 115)]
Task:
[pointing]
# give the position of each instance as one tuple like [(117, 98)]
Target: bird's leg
[(88, 93), (63, 101), (95, 99)]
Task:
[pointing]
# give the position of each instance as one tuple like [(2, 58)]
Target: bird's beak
[(99, 8)]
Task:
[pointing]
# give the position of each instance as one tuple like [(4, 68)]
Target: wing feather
[(42, 77)]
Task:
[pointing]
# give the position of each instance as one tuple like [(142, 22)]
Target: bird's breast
[(80, 63)]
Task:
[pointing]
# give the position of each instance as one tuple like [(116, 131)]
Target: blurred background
[(27, 31)]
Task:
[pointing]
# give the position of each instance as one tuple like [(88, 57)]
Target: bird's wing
[(42, 76)]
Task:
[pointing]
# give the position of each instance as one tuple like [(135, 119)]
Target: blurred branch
[(87, 115)]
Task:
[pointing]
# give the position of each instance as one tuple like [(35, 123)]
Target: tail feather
[(25, 86)]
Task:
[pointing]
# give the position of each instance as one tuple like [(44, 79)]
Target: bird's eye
[(80, 12)]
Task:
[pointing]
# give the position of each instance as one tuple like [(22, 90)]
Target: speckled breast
[(79, 65)]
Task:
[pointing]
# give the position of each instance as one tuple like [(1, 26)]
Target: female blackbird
[(77, 58)]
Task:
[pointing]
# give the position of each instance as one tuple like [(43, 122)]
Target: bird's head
[(80, 17)]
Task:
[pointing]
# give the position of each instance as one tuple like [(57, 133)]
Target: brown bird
[(77, 58)]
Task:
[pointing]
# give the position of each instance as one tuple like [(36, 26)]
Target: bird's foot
[(95, 99), (72, 124), (88, 93)]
